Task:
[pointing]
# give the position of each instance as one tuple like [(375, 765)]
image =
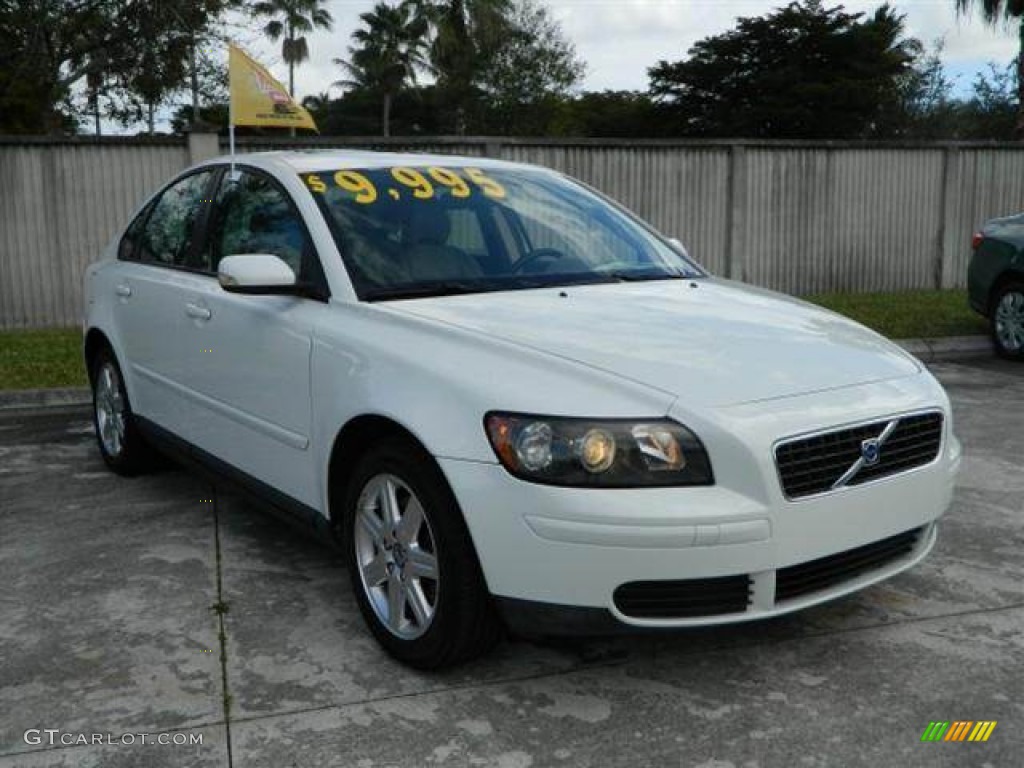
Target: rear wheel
[(1008, 321), (123, 449), (412, 563)]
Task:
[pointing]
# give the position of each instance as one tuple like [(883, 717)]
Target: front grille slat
[(808, 584), (833, 573), (812, 465), (816, 471), (682, 599), (825, 572)]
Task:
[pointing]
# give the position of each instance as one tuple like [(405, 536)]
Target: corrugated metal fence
[(799, 217), (60, 204)]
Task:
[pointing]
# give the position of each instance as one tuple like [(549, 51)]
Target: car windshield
[(407, 231)]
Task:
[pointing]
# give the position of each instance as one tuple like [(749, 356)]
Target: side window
[(255, 216), (167, 237), (128, 248)]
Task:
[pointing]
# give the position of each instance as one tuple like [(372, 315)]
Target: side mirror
[(256, 273), (679, 247)]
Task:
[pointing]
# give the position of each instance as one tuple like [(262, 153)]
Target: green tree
[(51, 48), (991, 113), (501, 65), (995, 12), (48, 49), (534, 65), (415, 111), (925, 107), (290, 21), (615, 114), (802, 71), (389, 49), (213, 114), (317, 105), (466, 35)]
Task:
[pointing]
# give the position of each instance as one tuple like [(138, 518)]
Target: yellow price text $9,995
[(422, 183)]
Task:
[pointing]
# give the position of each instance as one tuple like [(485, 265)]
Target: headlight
[(616, 453)]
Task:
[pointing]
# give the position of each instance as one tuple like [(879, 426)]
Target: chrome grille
[(859, 454)]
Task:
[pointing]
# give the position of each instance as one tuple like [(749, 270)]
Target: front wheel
[(411, 560), (1008, 321)]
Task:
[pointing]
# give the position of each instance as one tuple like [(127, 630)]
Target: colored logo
[(959, 730), (871, 451)]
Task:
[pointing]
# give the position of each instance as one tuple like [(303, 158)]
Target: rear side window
[(168, 232)]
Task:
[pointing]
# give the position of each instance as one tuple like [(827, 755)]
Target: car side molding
[(286, 508)]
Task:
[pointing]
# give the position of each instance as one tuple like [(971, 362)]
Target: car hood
[(707, 341)]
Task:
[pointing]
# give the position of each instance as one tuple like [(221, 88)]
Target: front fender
[(438, 382)]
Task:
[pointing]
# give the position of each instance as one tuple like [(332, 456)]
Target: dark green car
[(995, 283)]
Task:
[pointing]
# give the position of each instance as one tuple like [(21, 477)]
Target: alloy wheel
[(1009, 321), (110, 410), (396, 556)]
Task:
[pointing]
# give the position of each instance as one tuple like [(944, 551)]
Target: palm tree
[(466, 33), (292, 20), (317, 105), (390, 47), (995, 11)]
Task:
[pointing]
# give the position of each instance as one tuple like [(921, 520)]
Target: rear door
[(155, 270)]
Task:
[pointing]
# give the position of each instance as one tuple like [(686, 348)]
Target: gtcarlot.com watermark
[(54, 737)]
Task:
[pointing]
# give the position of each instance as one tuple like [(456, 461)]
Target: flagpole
[(231, 123)]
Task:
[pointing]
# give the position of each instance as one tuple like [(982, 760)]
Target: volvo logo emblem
[(870, 451), (870, 454)]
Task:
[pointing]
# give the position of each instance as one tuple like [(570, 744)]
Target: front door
[(250, 355)]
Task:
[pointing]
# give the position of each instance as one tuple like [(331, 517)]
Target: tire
[(1007, 321), (123, 449), (418, 583)]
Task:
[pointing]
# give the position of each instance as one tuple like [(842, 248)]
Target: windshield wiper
[(509, 283), (627, 276), (424, 290), (455, 287)]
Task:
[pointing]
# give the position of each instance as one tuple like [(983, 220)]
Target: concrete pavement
[(113, 592)]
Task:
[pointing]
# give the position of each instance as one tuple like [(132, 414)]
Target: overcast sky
[(620, 39)]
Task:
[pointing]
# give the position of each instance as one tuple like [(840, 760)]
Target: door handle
[(123, 289), (197, 312)]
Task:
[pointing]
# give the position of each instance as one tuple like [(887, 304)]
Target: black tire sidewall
[(1001, 351), (460, 585)]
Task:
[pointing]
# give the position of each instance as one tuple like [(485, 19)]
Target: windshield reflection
[(407, 232)]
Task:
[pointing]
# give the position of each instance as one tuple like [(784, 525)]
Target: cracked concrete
[(107, 626)]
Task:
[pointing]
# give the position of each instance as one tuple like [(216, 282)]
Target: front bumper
[(531, 617), (548, 552)]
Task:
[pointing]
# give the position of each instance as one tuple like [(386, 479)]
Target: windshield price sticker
[(405, 182)]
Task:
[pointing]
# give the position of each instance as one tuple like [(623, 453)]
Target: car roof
[(306, 161)]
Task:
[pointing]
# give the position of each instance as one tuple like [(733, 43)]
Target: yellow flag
[(258, 99)]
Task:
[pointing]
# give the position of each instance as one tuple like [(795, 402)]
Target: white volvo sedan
[(509, 400)]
